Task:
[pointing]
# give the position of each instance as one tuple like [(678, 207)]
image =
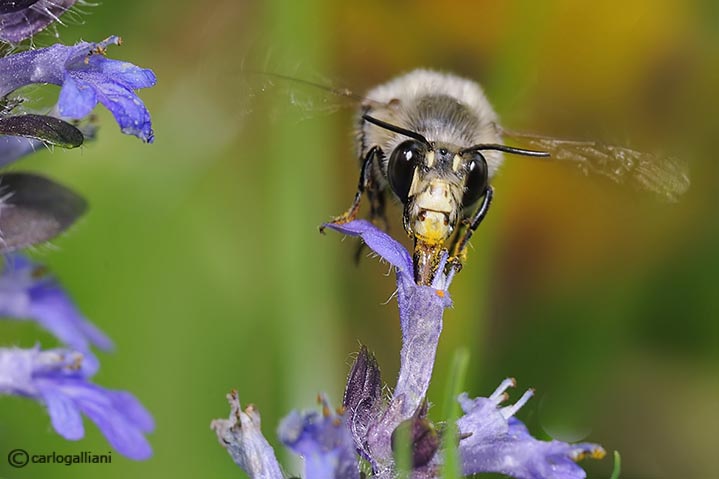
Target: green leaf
[(402, 449), (452, 468), (44, 128)]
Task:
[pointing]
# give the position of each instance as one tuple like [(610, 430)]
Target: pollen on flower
[(76, 364), (598, 453), (440, 293), (99, 50)]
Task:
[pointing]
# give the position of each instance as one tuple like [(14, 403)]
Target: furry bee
[(434, 142)]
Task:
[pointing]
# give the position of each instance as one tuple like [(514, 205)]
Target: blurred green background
[(200, 255)]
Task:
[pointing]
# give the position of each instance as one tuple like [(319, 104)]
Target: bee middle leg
[(458, 246), (365, 180)]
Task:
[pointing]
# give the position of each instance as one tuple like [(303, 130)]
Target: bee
[(433, 142)]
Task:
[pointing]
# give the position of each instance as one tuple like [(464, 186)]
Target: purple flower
[(495, 441), (243, 439), (58, 379), (323, 440), (28, 292), (86, 77), (492, 440), (420, 312), (21, 19)]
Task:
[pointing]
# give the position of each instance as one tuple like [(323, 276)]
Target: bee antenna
[(397, 129), (505, 149)]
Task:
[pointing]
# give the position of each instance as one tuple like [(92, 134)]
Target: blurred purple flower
[(40, 209), (86, 77), (323, 440), (243, 439), (58, 379), (13, 148), (28, 292), (21, 19)]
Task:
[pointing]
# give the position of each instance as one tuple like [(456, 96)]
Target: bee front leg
[(365, 180), (459, 246)]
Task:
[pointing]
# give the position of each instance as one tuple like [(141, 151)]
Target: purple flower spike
[(323, 440), (59, 379), (243, 439), (21, 19), (27, 291), (420, 309), (86, 77), (495, 441)]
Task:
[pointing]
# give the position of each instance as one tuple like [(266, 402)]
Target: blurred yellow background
[(200, 254)]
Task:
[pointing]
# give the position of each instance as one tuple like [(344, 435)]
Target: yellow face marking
[(456, 162), (430, 159), (414, 187)]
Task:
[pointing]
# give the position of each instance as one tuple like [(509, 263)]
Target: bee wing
[(306, 98), (666, 176)]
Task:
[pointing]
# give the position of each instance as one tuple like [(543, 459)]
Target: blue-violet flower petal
[(58, 379), (86, 77), (28, 292)]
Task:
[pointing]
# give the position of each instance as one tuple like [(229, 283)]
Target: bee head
[(435, 182)]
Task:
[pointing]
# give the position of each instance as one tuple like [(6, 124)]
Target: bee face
[(433, 141), (435, 182)]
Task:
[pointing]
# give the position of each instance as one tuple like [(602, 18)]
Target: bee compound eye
[(476, 179), (402, 163)]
